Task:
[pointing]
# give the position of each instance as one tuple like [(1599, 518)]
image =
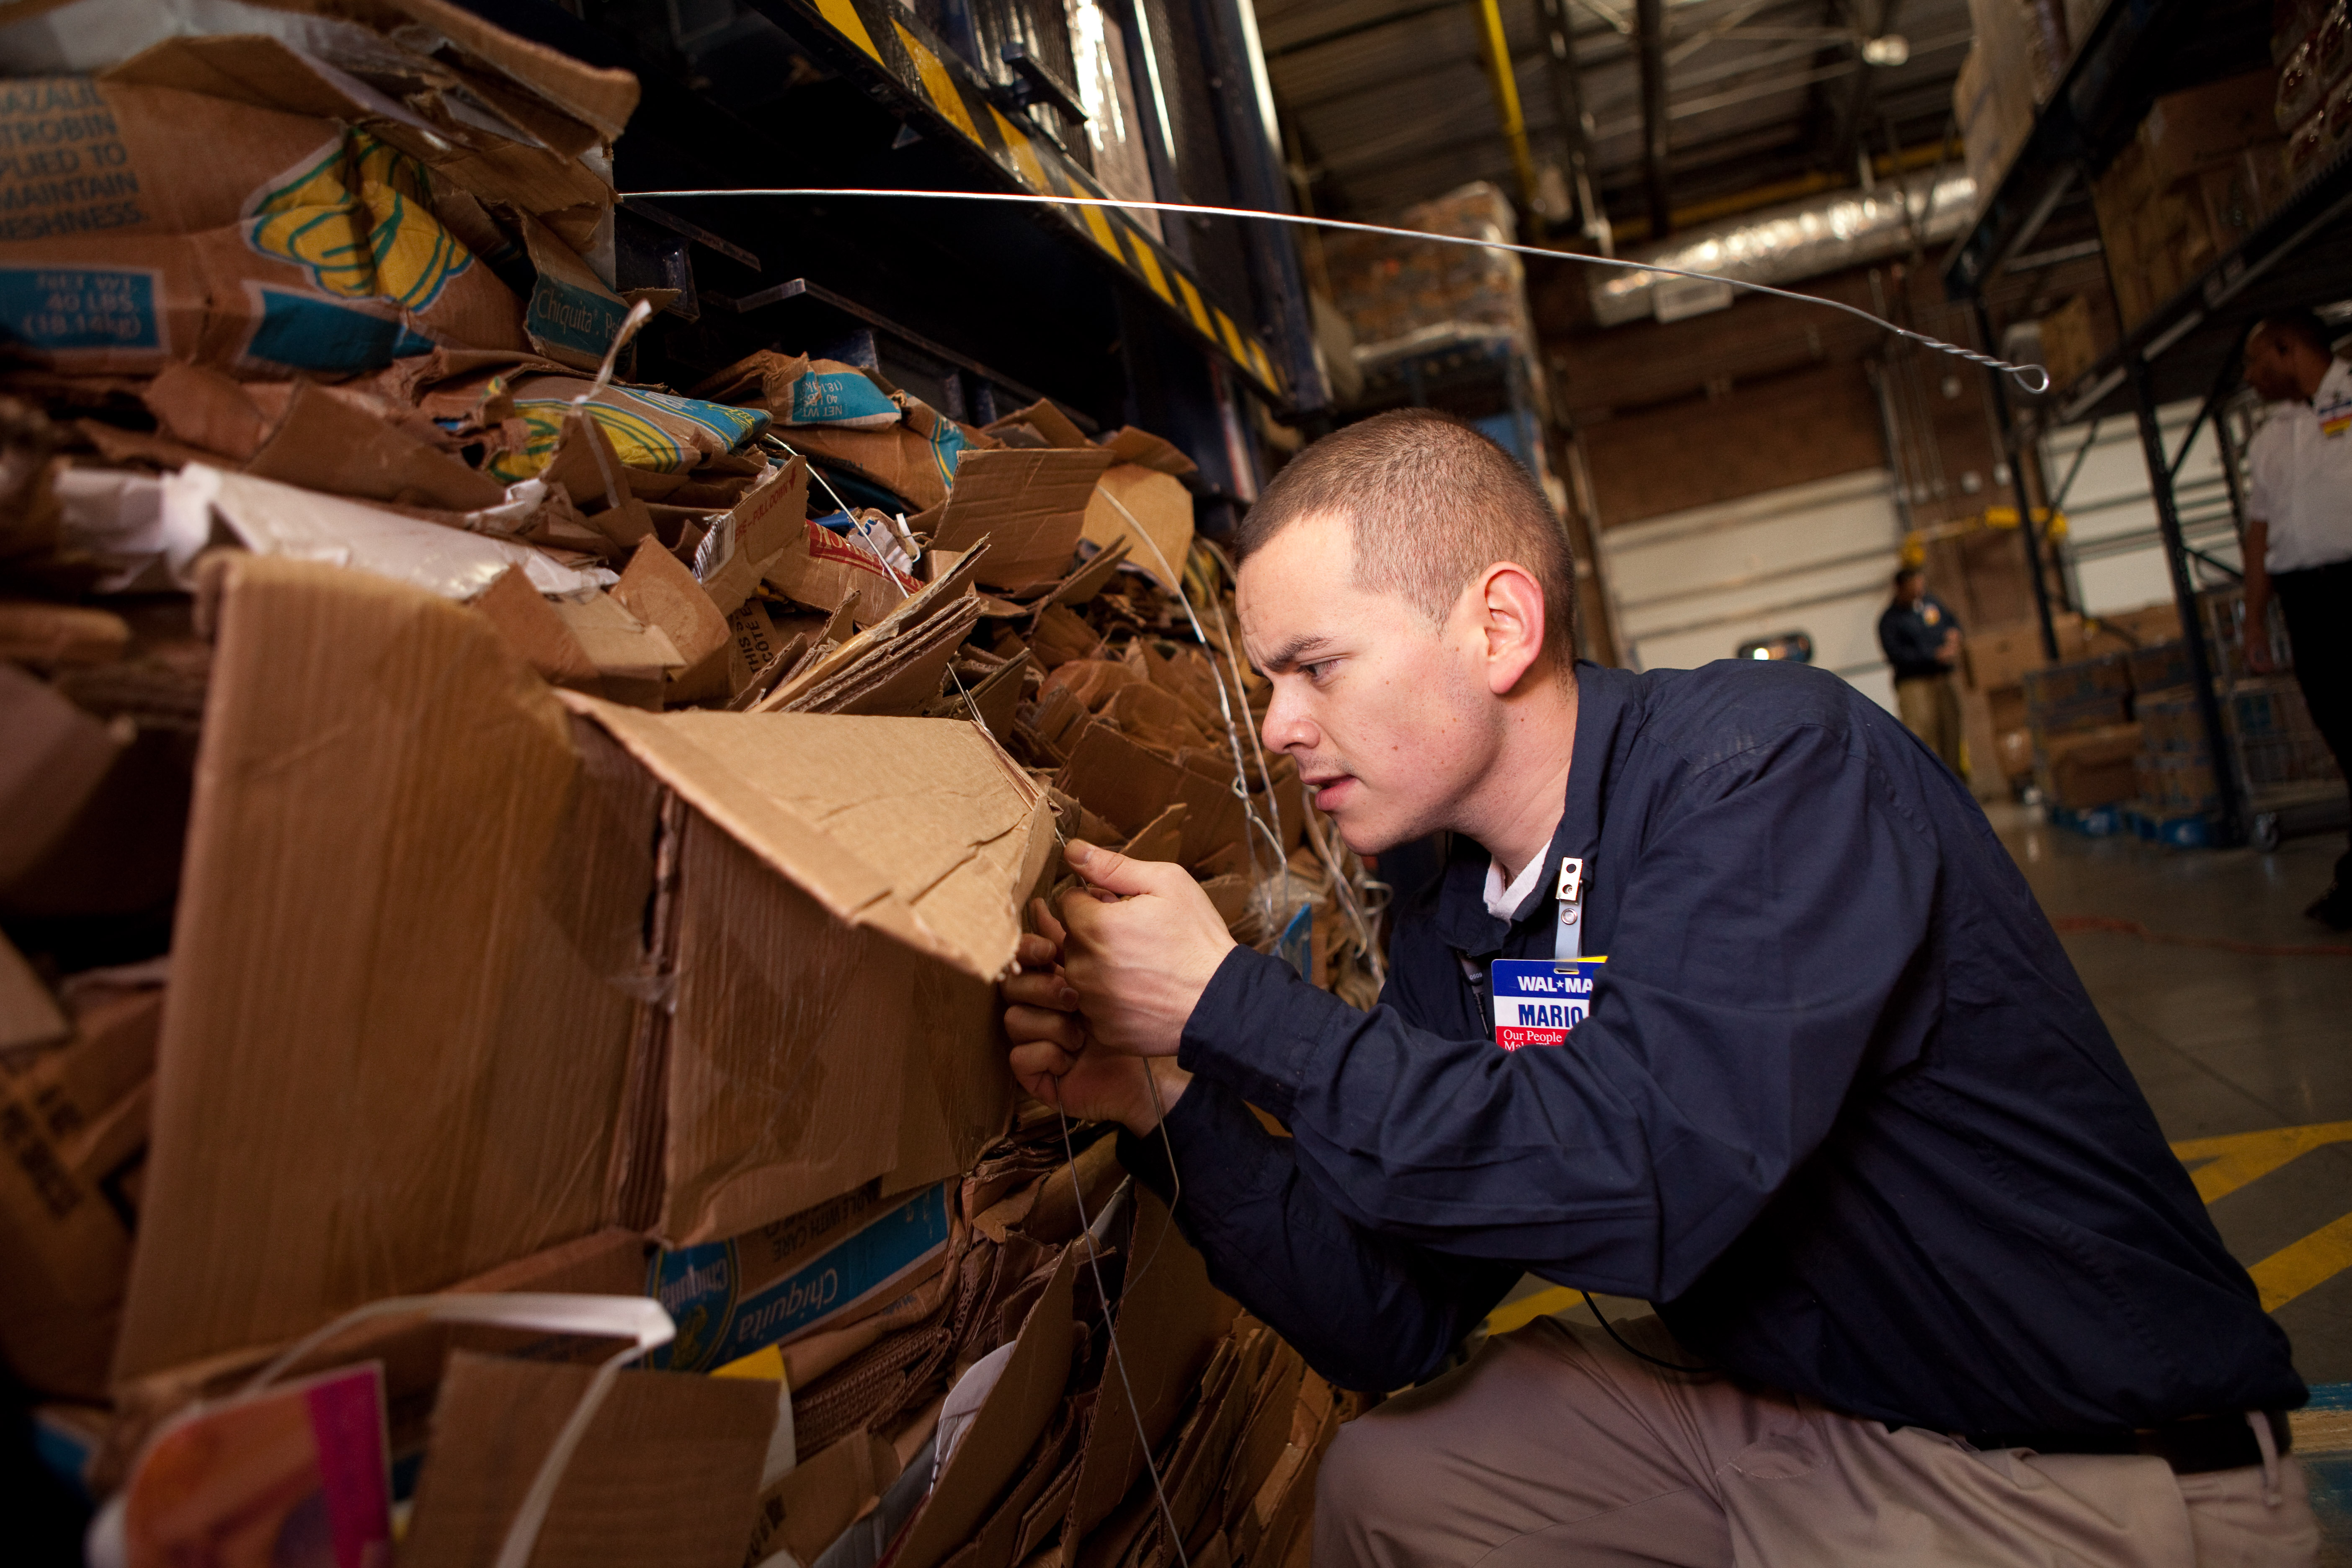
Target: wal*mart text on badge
[(1539, 1001)]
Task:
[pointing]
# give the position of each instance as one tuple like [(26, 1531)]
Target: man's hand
[(1950, 650), (1051, 1058), (1144, 942)]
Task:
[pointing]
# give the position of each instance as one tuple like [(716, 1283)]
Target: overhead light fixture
[(1887, 50)]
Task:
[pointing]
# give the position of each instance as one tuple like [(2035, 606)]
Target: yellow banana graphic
[(379, 241)]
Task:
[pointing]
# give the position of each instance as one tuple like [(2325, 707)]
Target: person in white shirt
[(2299, 534)]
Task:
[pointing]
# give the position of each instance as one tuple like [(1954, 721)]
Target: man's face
[(1387, 715), (1911, 589), (2270, 368)]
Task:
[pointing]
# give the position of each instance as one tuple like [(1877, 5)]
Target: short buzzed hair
[(1431, 503), (2302, 325)]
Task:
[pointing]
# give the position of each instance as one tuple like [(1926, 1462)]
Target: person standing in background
[(2299, 536), (1922, 639)]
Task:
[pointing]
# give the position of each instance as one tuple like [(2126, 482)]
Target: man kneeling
[(1930, 1286)]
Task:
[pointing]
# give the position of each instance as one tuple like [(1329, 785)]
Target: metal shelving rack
[(2189, 347), (976, 307)]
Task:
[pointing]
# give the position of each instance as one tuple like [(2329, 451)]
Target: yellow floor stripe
[(2312, 1261), (1518, 1314), (2238, 1159), (938, 84)]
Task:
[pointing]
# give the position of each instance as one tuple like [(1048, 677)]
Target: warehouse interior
[(569, 568)]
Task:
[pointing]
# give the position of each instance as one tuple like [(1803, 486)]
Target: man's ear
[(1508, 605)]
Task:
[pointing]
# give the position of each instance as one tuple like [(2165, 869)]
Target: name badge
[(1538, 1001)]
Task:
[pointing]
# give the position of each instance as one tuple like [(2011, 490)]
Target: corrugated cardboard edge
[(848, 888), (1009, 1422)]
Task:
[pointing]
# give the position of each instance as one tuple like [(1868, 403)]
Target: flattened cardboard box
[(667, 1471), (415, 1029)]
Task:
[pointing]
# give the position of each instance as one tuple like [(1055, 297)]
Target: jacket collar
[(1605, 700)]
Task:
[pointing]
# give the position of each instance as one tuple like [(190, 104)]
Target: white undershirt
[(1503, 903)]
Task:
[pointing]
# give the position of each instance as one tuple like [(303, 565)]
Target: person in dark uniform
[(1930, 1287), (1922, 641), (2299, 536)]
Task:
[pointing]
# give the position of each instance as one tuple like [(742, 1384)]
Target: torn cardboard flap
[(911, 628), (1031, 505), (754, 535), (325, 443), (1170, 1320), (351, 721), (1009, 1421), (765, 377), (1145, 506), (205, 409), (806, 1511), (659, 590), (1046, 419), (1145, 450), (602, 96), (30, 1017), (820, 568), (56, 759), (633, 660), (916, 828)]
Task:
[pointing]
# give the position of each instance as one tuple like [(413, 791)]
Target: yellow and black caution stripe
[(904, 50)]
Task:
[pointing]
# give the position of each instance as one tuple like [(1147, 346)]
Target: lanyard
[(1568, 942)]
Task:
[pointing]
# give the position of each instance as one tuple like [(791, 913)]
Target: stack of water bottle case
[(2120, 740), (504, 868)]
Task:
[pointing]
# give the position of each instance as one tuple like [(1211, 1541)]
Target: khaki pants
[(1554, 1447), (1930, 709)]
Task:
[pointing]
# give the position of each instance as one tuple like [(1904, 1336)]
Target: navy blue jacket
[(1912, 637), (1841, 1108)]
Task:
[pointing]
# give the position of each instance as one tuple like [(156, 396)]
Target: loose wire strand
[(1110, 1331), (2033, 378), (1224, 706)]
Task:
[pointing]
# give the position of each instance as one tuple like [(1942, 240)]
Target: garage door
[(1690, 587)]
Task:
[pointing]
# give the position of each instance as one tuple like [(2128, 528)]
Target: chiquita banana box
[(132, 232)]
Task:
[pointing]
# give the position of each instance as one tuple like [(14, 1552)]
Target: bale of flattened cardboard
[(990, 1428), (462, 972)]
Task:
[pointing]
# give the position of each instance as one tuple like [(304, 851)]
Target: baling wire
[(1110, 1334), (1224, 706), (2033, 378), (1102, 1294)]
